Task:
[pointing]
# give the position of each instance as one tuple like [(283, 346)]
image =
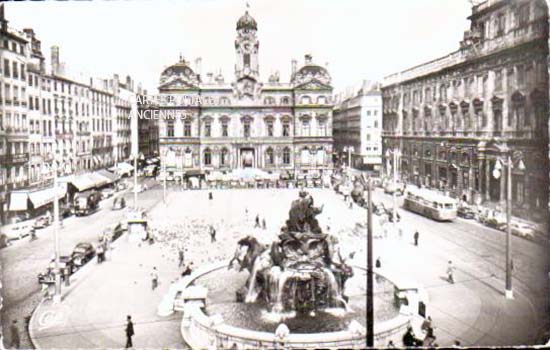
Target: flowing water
[(223, 284)]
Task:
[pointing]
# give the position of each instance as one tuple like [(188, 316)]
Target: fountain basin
[(213, 327)]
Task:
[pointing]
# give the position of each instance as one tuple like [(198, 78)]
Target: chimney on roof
[(3, 21), (55, 59)]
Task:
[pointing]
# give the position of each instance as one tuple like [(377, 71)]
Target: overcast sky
[(360, 39)]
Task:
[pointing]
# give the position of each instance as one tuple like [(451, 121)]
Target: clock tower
[(246, 48)]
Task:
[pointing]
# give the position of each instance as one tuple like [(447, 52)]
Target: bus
[(431, 204)]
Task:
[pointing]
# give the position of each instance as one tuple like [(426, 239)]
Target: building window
[(285, 101), (224, 157), (520, 74), (170, 128), (306, 131), (498, 80), (246, 128), (376, 123), (269, 157), (286, 129), (207, 129), (270, 128), (246, 59), (207, 157), (306, 100), (225, 132), (286, 156), (187, 129), (321, 100), (498, 119), (523, 15), (368, 137), (500, 24), (322, 127)]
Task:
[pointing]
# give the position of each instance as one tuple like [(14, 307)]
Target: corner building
[(451, 117), (278, 127)]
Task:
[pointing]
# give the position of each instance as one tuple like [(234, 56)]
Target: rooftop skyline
[(359, 39)]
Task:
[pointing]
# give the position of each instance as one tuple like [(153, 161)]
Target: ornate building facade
[(271, 125), (357, 127), (455, 118)]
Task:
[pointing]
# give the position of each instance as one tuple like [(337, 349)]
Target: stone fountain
[(301, 271), (290, 293)]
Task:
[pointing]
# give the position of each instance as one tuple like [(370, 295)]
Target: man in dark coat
[(416, 236), (129, 332)]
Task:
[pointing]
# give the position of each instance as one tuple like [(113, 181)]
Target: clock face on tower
[(246, 47)]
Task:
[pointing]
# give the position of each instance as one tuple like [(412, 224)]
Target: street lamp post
[(508, 161), (370, 293), (57, 272), (395, 154)]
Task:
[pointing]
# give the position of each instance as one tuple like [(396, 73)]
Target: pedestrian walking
[(378, 263), (210, 196), (15, 339), (391, 345), (181, 256), (450, 270), (212, 234), (100, 253), (188, 270), (400, 231), (416, 236), (154, 278), (129, 331), (257, 224), (263, 224)]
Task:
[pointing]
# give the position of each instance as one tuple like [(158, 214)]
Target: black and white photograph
[(274, 174)]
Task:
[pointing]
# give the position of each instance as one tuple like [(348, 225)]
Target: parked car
[(86, 202), (466, 212), (520, 229), (114, 232), (65, 262), (390, 188), (107, 192), (82, 253), (42, 222), (494, 221), (18, 230)]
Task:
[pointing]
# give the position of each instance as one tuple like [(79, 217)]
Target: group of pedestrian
[(260, 223), (426, 339)]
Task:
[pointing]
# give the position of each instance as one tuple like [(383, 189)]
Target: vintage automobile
[(114, 232), (82, 253), (42, 222), (519, 229), (65, 262), (18, 230), (86, 202), (466, 212), (390, 188)]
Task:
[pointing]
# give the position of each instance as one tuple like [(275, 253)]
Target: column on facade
[(502, 194), (487, 179)]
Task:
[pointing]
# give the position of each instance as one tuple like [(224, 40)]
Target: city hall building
[(457, 119), (279, 127)]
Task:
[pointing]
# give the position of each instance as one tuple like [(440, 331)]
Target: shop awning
[(18, 201), (108, 175), (43, 197), (83, 183), (99, 180), (193, 172)]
